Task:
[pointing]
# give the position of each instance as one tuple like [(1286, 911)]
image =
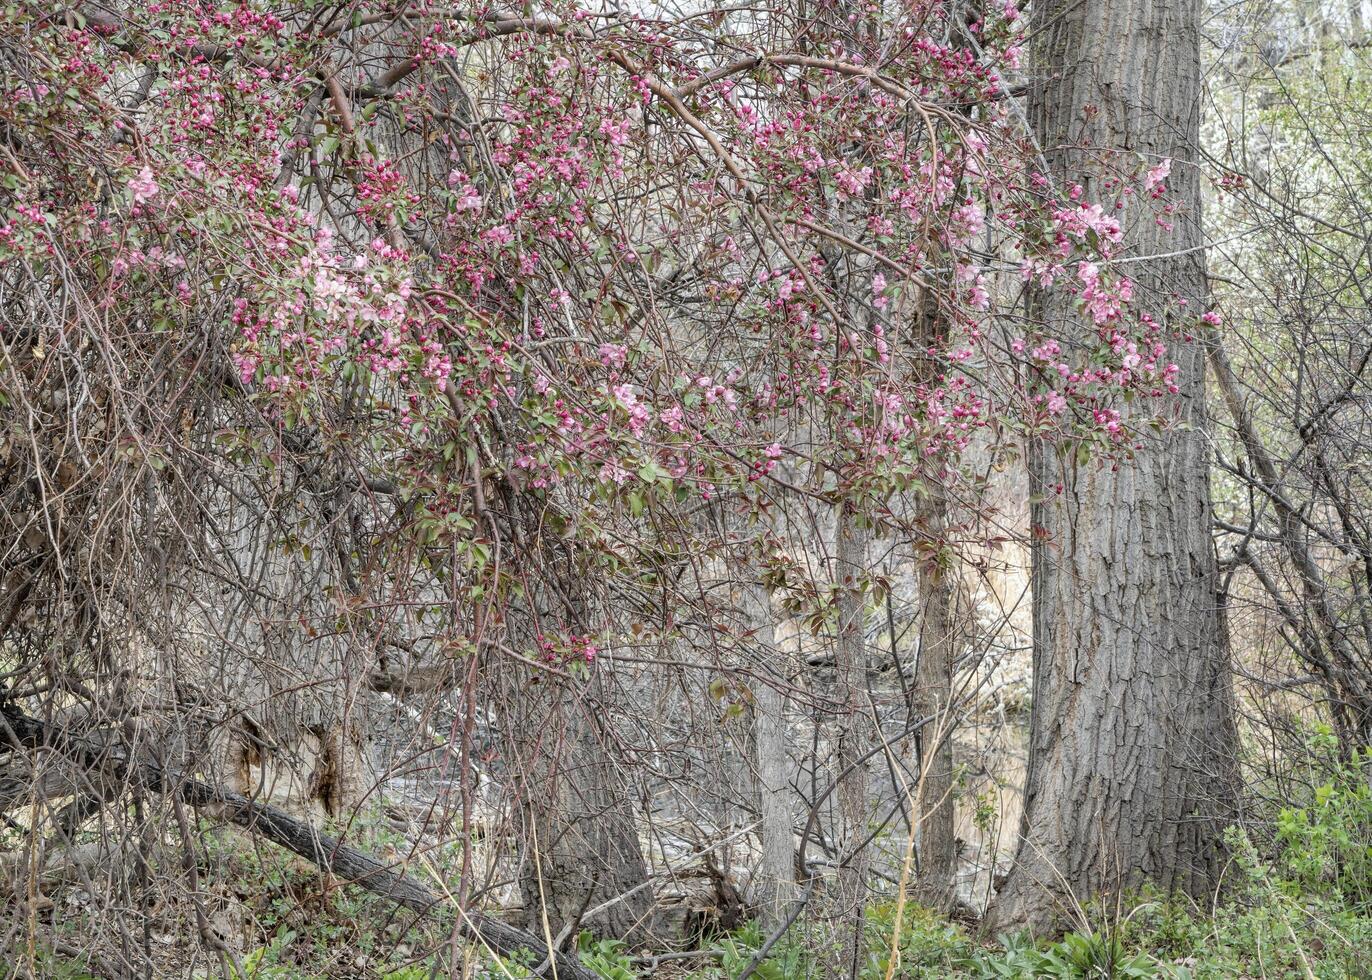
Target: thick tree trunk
[(573, 801), (1132, 738), (775, 885)]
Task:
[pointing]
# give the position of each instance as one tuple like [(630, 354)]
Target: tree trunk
[(855, 735), (583, 864), (932, 695), (1132, 738), (575, 814), (775, 885)]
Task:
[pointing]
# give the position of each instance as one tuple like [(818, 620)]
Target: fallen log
[(344, 862)]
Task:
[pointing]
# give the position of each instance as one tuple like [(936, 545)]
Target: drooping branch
[(328, 853)]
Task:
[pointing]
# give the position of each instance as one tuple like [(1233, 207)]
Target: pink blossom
[(143, 187), (614, 473), (972, 217), (612, 355), (1154, 180), (853, 182), (468, 199), (672, 419), (617, 132)]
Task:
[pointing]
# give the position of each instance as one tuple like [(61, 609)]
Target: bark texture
[(1132, 738), (775, 886), (932, 696)]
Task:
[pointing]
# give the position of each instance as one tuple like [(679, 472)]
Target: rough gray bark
[(574, 809), (932, 696), (775, 886), (1132, 738)]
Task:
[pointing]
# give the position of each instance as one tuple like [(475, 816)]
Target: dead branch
[(341, 861)]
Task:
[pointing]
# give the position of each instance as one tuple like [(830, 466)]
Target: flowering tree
[(413, 348)]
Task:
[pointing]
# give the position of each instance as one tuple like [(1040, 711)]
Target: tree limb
[(349, 864)]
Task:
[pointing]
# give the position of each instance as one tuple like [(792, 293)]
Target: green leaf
[(649, 472)]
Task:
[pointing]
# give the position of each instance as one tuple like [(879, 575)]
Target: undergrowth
[(1297, 903)]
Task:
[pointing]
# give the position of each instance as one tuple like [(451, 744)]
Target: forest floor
[(278, 918)]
